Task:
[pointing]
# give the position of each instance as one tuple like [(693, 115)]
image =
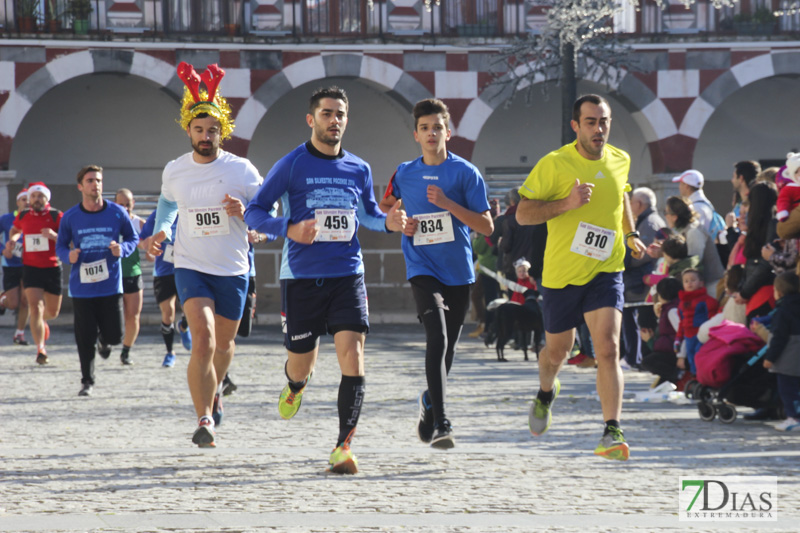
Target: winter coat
[(647, 224), (695, 308), (665, 338), (784, 339)]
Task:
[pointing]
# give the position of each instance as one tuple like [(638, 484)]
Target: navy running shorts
[(132, 284), (563, 309), (12, 278), (164, 287), (228, 292), (311, 308), (48, 279)]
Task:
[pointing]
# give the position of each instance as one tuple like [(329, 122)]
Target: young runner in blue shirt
[(165, 291), (13, 297), (326, 193), (87, 240), (444, 196)]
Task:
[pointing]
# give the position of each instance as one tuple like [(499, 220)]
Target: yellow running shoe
[(343, 461), (289, 401), (540, 416), (613, 445)]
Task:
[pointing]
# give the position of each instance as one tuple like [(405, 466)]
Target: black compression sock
[(546, 397), (168, 332), (351, 396), (125, 351), (295, 386), (610, 424)]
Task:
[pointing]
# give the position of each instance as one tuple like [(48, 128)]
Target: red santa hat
[(22, 193), (39, 186)]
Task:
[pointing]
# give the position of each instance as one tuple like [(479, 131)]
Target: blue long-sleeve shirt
[(337, 191), (97, 272)]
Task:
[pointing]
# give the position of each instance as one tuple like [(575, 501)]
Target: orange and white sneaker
[(343, 461), (613, 445)]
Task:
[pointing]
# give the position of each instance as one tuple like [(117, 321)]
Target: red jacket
[(695, 308)]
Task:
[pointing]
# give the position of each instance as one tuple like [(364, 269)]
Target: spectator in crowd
[(662, 360), (756, 288), (695, 307), (682, 219), (486, 286), (676, 256), (783, 354), (690, 185), (521, 242), (647, 223), (768, 174), (744, 177)]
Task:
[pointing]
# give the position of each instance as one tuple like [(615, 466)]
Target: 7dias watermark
[(728, 498)]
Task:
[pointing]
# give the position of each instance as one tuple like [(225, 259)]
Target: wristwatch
[(633, 234)]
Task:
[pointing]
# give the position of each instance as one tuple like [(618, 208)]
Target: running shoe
[(613, 445), (577, 359), (425, 424), (289, 401), (125, 359), (103, 349), (216, 410), (169, 360), (790, 424), (86, 390), (41, 358), (540, 416), (204, 434), (186, 335), (19, 338), (443, 436), (46, 330), (228, 386), (343, 461)]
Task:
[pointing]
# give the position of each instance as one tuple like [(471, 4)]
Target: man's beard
[(210, 150), (322, 136), (38, 206)]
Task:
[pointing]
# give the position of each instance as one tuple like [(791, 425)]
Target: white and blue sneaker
[(186, 336), (169, 360)]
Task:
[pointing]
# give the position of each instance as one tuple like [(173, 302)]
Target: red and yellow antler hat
[(197, 101)]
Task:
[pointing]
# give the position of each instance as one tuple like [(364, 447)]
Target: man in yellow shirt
[(580, 190)]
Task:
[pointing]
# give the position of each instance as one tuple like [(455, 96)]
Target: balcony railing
[(353, 20)]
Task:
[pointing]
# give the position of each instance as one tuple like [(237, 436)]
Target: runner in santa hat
[(37, 228)]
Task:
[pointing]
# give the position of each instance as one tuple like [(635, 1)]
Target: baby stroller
[(730, 373)]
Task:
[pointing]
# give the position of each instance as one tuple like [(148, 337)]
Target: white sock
[(19, 332)]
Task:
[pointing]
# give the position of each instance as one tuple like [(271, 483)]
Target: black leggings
[(103, 314), (441, 309)]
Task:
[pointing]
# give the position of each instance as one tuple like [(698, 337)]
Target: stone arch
[(393, 79), (775, 63), (648, 112), (70, 66)]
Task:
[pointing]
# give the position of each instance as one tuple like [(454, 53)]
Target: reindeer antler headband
[(197, 101)]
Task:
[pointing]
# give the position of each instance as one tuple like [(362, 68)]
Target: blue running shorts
[(563, 309), (228, 292), (311, 308)]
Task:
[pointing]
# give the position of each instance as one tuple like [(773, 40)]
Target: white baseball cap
[(693, 178)]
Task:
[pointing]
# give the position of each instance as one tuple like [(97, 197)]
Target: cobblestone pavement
[(122, 460)]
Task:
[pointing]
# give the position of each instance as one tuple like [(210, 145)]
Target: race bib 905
[(208, 221)]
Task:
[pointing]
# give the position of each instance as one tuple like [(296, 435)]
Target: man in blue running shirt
[(93, 238), (445, 197), (326, 194)]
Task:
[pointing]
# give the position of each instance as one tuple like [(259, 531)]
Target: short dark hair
[(694, 271), (734, 277), (668, 289), (675, 247), (88, 168), (327, 92), (748, 170), (787, 283), (431, 106), (595, 99)]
